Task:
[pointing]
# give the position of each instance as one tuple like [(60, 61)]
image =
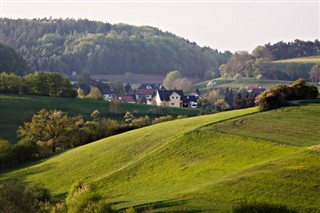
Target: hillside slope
[(204, 163), (67, 45)]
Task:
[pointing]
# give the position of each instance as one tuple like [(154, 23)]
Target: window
[(172, 97), (172, 104), (177, 97)]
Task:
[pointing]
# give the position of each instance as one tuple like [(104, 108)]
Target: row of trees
[(81, 45), (295, 49), (279, 95), (51, 131), (39, 83), (259, 65)]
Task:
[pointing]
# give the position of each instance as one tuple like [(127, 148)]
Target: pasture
[(205, 163)]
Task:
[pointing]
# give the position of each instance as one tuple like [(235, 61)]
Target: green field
[(303, 60), (16, 109), (199, 164), (237, 84)]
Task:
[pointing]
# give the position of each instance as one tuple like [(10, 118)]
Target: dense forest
[(295, 49), (11, 61), (67, 45)]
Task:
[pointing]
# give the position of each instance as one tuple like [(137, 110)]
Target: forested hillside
[(10, 61), (101, 48)]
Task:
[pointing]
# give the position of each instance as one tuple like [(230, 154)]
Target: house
[(255, 90), (154, 86), (146, 93), (125, 99), (190, 101), (170, 98)]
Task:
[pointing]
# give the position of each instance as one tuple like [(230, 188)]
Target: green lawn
[(16, 109), (205, 163)]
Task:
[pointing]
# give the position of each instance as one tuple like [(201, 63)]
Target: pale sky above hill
[(223, 25)]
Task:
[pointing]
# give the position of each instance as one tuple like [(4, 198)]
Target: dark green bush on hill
[(16, 197), (279, 95)]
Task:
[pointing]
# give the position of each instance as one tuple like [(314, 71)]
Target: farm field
[(308, 60), (237, 84), (16, 109), (200, 164)]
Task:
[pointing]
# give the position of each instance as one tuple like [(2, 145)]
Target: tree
[(16, 197), (314, 74), (174, 80), (51, 129), (213, 96), (128, 117), (95, 94), (81, 198), (171, 77)]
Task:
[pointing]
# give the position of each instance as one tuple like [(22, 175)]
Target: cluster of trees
[(39, 83), (68, 45), (279, 95), (51, 131), (11, 61), (17, 197), (295, 49), (175, 80), (259, 64), (225, 99)]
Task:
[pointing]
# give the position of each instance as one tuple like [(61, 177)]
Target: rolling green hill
[(16, 109), (205, 163), (67, 45)]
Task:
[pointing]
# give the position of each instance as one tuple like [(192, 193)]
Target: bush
[(162, 119), (279, 95), (261, 208), (15, 197)]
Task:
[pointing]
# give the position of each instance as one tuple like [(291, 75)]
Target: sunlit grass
[(206, 163)]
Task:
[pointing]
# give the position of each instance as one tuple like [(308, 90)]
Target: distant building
[(147, 93), (154, 86), (190, 101), (125, 99), (169, 98)]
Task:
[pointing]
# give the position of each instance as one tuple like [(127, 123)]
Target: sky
[(222, 25)]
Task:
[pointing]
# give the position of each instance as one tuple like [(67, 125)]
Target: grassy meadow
[(200, 164), (16, 109), (303, 60), (237, 84)]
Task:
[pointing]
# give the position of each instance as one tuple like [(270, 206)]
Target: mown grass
[(16, 109), (197, 164)]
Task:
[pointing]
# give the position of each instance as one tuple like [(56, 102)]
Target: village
[(157, 94)]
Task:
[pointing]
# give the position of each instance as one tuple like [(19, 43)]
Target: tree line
[(39, 83), (259, 64), (67, 45), (53, 131)]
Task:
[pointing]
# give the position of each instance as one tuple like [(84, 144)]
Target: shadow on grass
[(149, 207)]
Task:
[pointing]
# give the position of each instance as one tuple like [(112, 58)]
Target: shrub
[(279, 95), (162, 119), (261, 208), (15, 197)]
